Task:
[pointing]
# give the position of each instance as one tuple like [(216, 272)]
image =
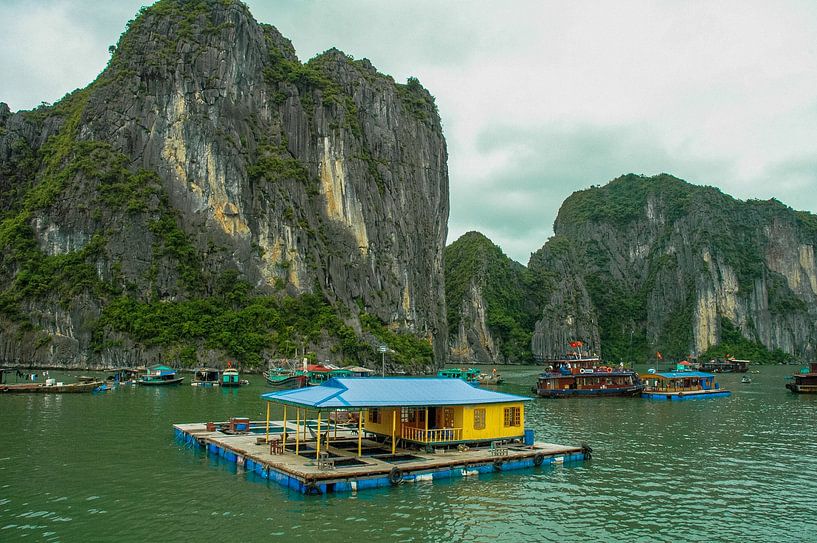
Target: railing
[(437, 435)]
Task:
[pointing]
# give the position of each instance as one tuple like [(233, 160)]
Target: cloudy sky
[(537, 98)]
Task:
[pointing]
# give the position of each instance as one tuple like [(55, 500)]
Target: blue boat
[(681, 385)]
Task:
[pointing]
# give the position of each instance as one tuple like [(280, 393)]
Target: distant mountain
[(490, 313), (209, 196), (654, 264)]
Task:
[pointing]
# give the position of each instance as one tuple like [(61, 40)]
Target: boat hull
[(802, 389), (589, 392), (685, 395), (163, 382), (294, 381), (50, 389)]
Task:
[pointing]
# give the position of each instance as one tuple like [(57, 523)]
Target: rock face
[(490, 315), (206, 148), (649, 264)]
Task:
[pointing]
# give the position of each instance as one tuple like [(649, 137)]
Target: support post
[(267, 438), (318, 448), (284, 438), (393, 430), (360, 434), (336, 424), (297, 431), (425, 434)]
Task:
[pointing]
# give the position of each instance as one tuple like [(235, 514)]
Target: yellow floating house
[(424, 412), (349, 434)]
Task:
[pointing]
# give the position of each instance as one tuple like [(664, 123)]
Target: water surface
[(106, 467)]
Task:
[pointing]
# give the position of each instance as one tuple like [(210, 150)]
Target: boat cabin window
[(513, 416), (479, 418), (374, 416)]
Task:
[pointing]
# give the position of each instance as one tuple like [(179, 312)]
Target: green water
[(106, 467)]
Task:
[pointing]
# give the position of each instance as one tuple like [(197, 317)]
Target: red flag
[(658, 354), (574, 344)]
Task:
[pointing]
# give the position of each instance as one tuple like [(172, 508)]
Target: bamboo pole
[(336, 424), (393, 430), (267, 438), (425, 435), (360, 434), (318, 448), (297, 431)]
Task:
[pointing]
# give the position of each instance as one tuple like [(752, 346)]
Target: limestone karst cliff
[(210, 196), (653, 264), (490, 314)]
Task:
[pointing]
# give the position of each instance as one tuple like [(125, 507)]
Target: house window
[(479, 419), (374, 416), (513, 416), (408, 414)]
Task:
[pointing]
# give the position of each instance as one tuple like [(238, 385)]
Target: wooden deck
[(340, 463)]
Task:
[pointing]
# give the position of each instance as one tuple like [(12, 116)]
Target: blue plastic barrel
[(528, 437)]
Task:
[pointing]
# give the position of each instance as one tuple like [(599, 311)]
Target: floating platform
[(340, 469)]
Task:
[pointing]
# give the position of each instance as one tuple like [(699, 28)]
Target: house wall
[(463, 418)]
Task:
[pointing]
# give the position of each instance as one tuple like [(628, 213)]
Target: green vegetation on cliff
[(503, 285)]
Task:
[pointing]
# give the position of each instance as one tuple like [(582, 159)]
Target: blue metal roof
[(681, 374), (351, 392)]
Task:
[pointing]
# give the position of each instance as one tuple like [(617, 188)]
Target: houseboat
[(681, 385), (726, 365), (394, 431), (470, 375), (231, 379), (159, 375), (319, 374), (206, 377), (582, 378), (125, 376), (804, 382)]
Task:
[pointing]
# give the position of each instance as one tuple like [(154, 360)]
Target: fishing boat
[(206, 377), (160, 375), (493, 378), (470, 375), (52, 386), (231, 379), (284, 379), (681, 385), (804, 382)]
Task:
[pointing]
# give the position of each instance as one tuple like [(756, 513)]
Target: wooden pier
[(337, 467)]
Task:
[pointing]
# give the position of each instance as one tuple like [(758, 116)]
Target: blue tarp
[(350, 392), (682, 374)]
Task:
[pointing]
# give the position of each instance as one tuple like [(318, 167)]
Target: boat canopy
[(159, 369), (360, 393), (680, 375)]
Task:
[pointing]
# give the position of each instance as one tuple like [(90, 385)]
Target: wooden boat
[(804, 382), (51, 386), (159, 375), (283, 379), (470, 375), (206, 377), (492, 378), (231, 379), (681, 385)]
